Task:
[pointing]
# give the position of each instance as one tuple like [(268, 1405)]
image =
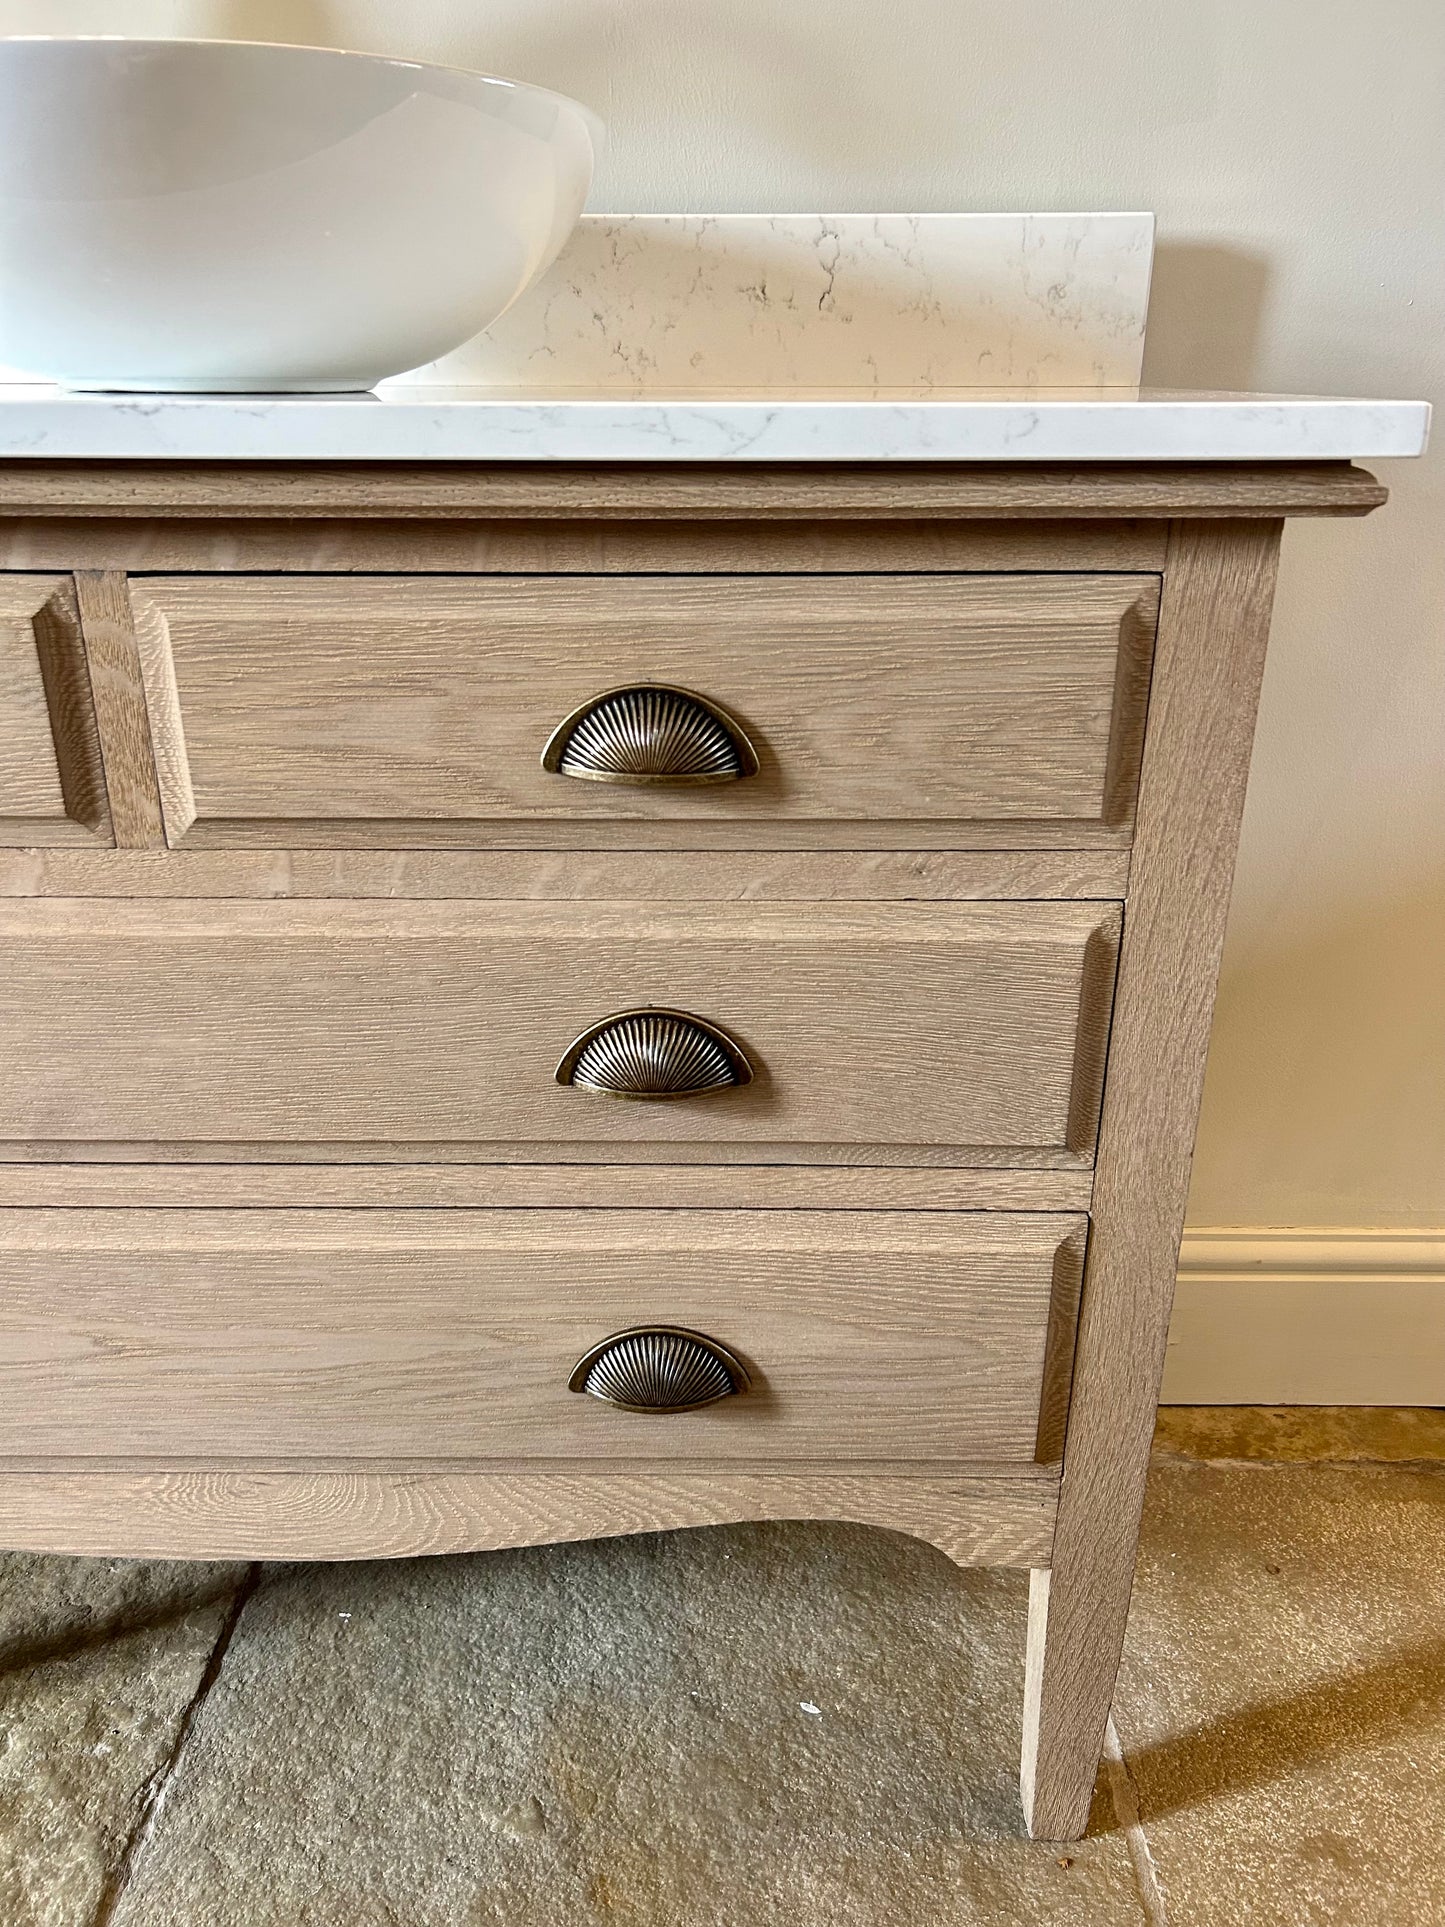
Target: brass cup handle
[(650, 733), (659, 1368), (654, 1053)]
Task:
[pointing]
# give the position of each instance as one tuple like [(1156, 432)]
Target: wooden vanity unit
[(369, 830)]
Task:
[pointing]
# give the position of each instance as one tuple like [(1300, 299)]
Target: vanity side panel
[(1214, 624)]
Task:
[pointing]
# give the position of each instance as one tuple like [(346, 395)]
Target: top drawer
[(903, 711)]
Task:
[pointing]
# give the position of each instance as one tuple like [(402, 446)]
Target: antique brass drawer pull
[(650, 733), (654, 1053), (659, 1368)]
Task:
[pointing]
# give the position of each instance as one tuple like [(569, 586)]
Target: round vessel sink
[(194, 215)]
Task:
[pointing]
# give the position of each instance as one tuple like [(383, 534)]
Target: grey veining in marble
[(652, 303), (788, 338)]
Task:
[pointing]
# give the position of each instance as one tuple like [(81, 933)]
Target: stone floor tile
[(758, 1726), (1282, 1704), (99, 1661), (1377, 1433)]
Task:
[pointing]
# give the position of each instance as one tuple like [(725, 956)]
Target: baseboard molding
[(1308, 1317)]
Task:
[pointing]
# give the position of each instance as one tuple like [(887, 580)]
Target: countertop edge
[(450, 427)]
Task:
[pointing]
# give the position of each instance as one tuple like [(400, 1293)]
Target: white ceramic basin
[(215, 215)]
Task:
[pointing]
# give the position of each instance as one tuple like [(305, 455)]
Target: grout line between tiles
[(1427, 1462), (1125, 1797), (159, 1785)]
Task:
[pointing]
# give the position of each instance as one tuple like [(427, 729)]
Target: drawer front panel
[(452, 1335), (895, 1033), (334, 710)]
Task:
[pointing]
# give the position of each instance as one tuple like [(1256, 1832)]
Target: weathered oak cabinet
[(368, 830)]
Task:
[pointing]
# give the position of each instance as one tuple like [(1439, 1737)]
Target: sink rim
[(333, 318), (597, 127)]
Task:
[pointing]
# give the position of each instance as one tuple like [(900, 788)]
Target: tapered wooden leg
[(1076, 1635), (1064, 1810), (1078, 1608), (1213, 623)]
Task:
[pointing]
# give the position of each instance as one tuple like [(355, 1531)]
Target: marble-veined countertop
[(429, 422), (768, 338)]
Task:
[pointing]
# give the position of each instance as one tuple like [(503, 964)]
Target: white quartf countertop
[(427, 422)]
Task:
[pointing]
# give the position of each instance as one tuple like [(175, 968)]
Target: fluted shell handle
[(650, 733), (659, 1368), (651, 1053)]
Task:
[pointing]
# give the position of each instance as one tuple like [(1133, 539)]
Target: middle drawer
[(893, 1033)]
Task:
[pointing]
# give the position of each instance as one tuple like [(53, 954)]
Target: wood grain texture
[(445, 1334), (764, 876), (419, 834), (1212, 635), (573, 1155), (954, 1028), (333, 706), (52, 786), (163, 708), (527, 1186), (1059, 1347), (421, 547), (337, 1056), (687, 491), (240, 1514), (1018, 1474), (120, 708)]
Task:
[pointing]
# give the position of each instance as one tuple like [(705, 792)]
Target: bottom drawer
[(420, 1334)]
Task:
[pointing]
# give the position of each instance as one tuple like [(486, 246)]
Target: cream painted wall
[(1295, 154)]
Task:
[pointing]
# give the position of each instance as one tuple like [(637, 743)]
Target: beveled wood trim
[(1209, 659), (60, 832), (764, 876), (241, 1514), (135, 1185), (1015, 1473), (418, 834), (1096, 1004), (604, 918), (519, 547), (571, 1155), (163, 705), (1059, 1347), (120, 708), (65, 675), (56, 736), (696, 491), (1133, 670)]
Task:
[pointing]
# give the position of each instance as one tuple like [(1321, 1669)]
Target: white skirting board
[(1308, 1317)]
